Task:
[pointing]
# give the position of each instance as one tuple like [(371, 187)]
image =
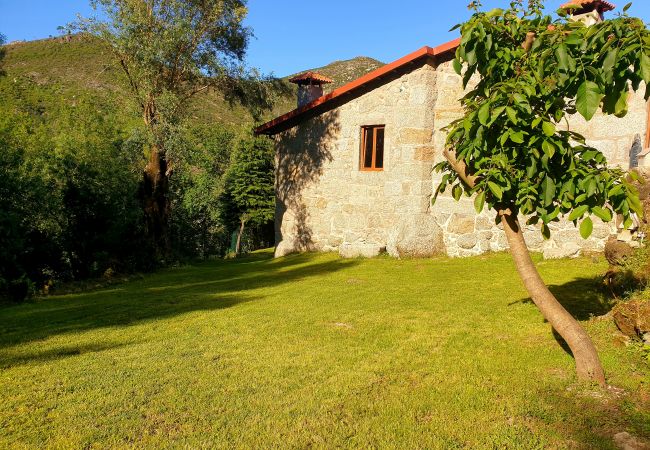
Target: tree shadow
[(11, 359), (603, 414), (301, 154), (584, 298), (208, 286)]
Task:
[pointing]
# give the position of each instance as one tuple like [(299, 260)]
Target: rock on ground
[(417, 236)]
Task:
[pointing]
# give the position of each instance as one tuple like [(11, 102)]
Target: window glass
[(379, 148), (367, 154), (372, 147)]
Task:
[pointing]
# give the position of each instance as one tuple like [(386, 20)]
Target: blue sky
[(294, 35)]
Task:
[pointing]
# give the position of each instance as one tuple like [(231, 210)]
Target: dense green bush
[(70, 173)]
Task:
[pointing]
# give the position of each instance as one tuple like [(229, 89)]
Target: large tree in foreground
[(170, 50), (510, 149)]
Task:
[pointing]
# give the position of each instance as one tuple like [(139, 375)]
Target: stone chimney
[(589, 12), (310, 86)]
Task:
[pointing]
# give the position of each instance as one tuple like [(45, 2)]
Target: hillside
[(343, 72), (83, 64)]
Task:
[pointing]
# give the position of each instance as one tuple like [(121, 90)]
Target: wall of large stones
[(325, 202), (466, 233)]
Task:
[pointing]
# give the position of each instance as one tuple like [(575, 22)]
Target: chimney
[(310, 86), (589, 12)]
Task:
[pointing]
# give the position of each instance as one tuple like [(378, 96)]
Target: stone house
[(354, 166)]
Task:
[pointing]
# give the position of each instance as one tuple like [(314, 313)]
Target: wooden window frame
[(362, 153)]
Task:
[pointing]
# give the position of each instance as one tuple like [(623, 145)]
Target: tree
[(510, 149), (3, 52), (249, 196), (170, 50)]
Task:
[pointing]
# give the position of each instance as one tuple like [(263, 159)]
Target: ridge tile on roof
[(311, 76)]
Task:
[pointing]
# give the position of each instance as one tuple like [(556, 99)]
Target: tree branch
[(460, 168)]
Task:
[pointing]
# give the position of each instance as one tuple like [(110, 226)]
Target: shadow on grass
[(583, 297), (10, 358), (209, 286), (602, 415)]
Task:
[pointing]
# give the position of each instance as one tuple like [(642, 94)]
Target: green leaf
[(495, 12), (602, 213), (626, 7), (458, 66), (620, 110), (517, 137), (512, 115), (608, 63), (479, 202), (578, 212), (548, 189), (548, 148), (562, 56), (496, 189), (484, 114), (548, 128), (457, 192), (645, 67), (586, 227), (588, 99)]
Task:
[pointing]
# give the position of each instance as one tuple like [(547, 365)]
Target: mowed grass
[(316, 351)]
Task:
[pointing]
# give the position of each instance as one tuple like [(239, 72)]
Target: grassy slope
[(313, 350)]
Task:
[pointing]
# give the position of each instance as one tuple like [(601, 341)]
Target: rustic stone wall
[(467, 233), (324, 202)]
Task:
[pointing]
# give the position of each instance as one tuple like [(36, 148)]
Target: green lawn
[(315, 351)]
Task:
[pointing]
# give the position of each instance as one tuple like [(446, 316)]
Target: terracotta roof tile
[(602, 5), (289, 119), (311, 76)]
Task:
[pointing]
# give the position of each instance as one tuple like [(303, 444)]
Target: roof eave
[(278, 124)]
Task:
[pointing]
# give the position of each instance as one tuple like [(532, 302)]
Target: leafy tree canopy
[(514, 148), (172, 49), (249, 191)]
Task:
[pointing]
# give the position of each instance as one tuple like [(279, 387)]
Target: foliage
[(314, 350), (170, 50), (3, 52), (197, 188), (533, 71), (249, 195), (69, 208)]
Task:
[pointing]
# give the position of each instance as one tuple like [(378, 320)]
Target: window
[(372, 147)]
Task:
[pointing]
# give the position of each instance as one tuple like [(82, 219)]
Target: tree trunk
[(239, 235), (588, 364), (156, 203)]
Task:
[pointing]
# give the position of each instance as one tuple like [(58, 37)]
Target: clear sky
[(295, 35)]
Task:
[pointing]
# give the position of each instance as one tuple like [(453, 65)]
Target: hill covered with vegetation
[(78, 63), (345, 71)]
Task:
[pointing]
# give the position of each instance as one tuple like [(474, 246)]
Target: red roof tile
[(311, 76), (600, 5), (290, 119)]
